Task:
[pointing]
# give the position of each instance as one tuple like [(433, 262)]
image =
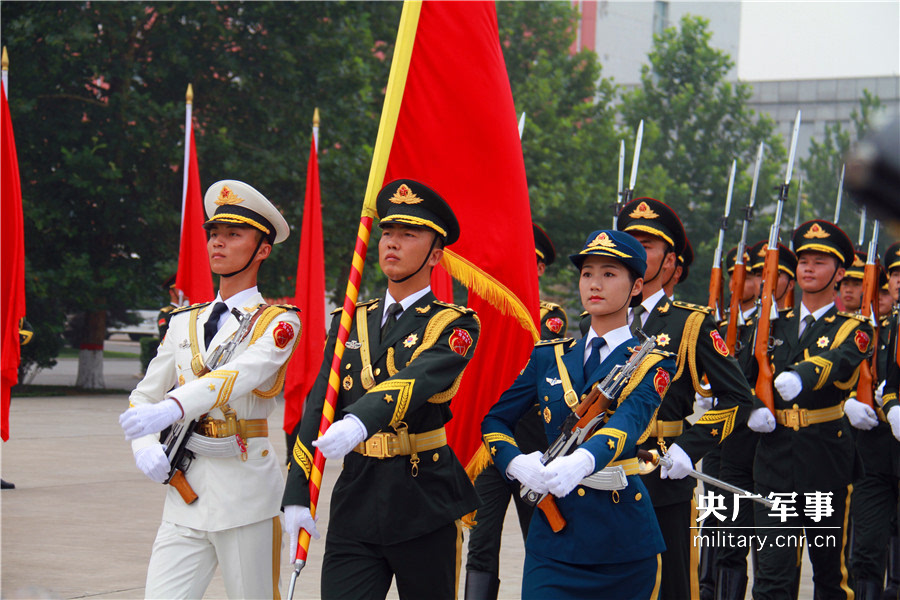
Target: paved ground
[(82, 518)]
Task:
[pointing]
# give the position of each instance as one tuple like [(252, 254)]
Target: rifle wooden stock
[(715, 290), (865, 387), (738, 277), (180, 483), (790, 302), (551, 511), (764, 390)]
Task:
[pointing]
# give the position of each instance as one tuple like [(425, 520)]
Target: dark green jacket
[(823, 456), (417, 370)]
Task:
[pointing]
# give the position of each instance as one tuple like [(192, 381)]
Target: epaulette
[(167, 309), (554, 342), (191, 307), (694, 307), (287, 307), (583, 315), (464, 310), (552, 306), (368, 302), (664, 353), (337, 310), (853, 316)]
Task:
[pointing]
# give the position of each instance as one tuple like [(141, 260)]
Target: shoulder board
[(694, 307), (663, 353), (167, 309), (287, 307), (554, 342), (852, 316), (368, 302), (337, 310), (583, 315), (722, 323), (464, 310), (551, 306), (191, 307)]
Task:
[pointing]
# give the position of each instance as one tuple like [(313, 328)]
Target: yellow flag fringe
[(487, 287)]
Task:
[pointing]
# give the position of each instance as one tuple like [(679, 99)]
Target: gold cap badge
[(643, 211), (226, 196), (602, 240), (404, 195), (815, 231), (858, 262)]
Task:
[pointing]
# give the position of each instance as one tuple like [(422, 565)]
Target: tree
[(822, 168), (696, 122), (98, 108)]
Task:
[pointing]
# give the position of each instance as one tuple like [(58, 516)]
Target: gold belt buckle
[(796, 418), (377, 446)]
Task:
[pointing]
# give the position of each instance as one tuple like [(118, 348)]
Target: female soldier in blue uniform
[(610, 546)]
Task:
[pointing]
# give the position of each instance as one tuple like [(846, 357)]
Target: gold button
[(435, 457), (348, 366), (840, 433), (638, 496), (581, 491), (378, 371), (265, 452), (546, 399)]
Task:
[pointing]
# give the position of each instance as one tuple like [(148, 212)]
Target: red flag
[(457, 132), (310, 298), (194, 277), (442, 284), (12, 265)]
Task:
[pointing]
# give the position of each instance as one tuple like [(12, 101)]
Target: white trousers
[(184, 560)]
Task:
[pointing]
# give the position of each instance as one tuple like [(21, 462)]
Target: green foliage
[(695, 123), (822, 170)]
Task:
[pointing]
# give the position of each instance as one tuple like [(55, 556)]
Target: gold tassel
[(487, 287), (480, 461)]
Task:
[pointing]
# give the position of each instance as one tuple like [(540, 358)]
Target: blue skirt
[(545, 579)]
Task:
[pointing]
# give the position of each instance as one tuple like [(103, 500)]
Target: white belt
[(214, 447), (608, 478)]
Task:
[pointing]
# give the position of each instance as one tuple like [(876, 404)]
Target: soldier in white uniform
[(235, 521)]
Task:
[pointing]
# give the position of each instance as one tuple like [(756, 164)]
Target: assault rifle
[(716, 300), (584, 420), (625, 195), (180, 457)]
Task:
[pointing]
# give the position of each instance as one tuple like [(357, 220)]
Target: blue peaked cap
[(614, 244)]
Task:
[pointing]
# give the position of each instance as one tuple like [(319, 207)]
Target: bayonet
[(628, 193), (521, 125), (840, 194), (715, 280), (862, 228), (619, 187)]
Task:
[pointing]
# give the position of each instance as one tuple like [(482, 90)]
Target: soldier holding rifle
[(690, 331), (602, 541), (227, 396), (807, 450)]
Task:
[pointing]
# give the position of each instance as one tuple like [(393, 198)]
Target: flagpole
[(188, 108), (5, 63), (316, 128), (406, 35)]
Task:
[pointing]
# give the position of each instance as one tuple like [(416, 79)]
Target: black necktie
[(636, 312), (212, 323), (809, 320), (593, 360), (393, 312)]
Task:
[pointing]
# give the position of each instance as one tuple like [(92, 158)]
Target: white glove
[(789, 385), (859, 414), (879, 394), (529, 471), (342, 437), (153, 462), (145, 419), (893, 418), (563, 474), (295, 517), (681, 464), (761, 420)]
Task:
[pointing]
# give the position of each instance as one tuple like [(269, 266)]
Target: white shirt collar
[(648, 304), (405, 303), (817, 314), (613, 339), (234, 301)]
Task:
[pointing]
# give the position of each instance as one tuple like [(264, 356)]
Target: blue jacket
[(602, 526)]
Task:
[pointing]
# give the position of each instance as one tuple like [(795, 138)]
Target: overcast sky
[(811, 39)]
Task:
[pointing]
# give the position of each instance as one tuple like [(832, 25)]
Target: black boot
[(5, 485), (866, 589), (481, 585), (731, 584), (707, 573), (892, 589)]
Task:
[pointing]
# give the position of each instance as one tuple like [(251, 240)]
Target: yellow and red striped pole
[(406, 36)]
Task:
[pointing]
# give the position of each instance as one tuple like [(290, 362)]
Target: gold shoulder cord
[(196, 361), (362, 330), (648, 363), (448, 394), (569, 394), (687, 351)]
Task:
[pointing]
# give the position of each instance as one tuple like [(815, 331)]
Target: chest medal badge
[(410, 341)]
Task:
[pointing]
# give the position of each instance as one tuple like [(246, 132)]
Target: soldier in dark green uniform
[(494, 491), (875, 496), (176, 300), (689, 331), (395, 507), (739, 450), (806, 451)]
